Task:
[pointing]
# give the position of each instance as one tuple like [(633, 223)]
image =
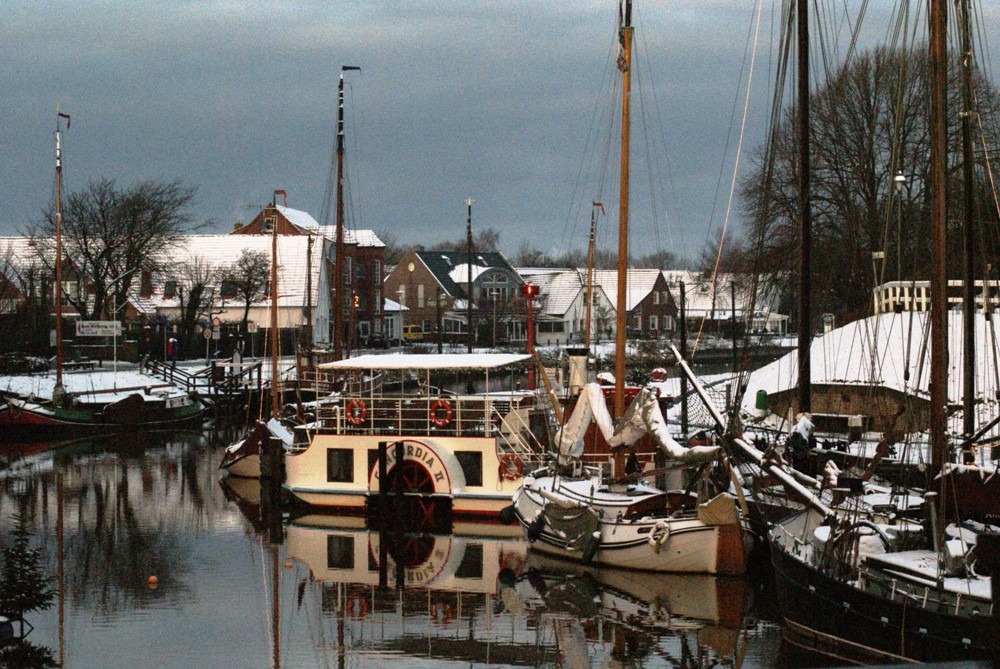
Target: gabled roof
[(452, 268), (559, 286), (640, 284)]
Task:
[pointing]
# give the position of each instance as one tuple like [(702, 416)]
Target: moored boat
[(460, 454)]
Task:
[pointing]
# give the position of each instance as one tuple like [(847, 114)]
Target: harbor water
[(157, 559)]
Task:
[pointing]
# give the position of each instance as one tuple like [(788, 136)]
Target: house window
[(420, 296), (340, 465), (347, 269), (377, 306), (656, 297), (654, 323), (267, 225), (170, 289), (227, 290), (378, 271)]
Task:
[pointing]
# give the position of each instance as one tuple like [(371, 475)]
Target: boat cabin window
[(472, 466), (339, 465), (339, 552)]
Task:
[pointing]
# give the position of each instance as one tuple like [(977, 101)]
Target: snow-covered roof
[(221, 251), (364, 238), (302, 220), (404, 361), (879, 350), (640, 284)]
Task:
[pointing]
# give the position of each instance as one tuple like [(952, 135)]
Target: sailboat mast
[(590, 272), (58, 261), (275, 335), (969, 275), (805, 213), (338, 279), (625, 65), (938, 158)]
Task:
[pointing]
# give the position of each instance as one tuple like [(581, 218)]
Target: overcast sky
[(500, 100)]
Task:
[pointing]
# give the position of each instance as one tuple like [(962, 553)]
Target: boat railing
[(446, 416)]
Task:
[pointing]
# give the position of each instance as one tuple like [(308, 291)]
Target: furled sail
[(643, 416)]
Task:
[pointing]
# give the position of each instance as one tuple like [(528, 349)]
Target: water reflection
[(111, 513)]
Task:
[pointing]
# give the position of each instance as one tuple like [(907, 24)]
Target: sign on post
[(98, 328), (207, 333)]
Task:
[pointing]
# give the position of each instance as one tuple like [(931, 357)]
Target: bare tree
[(109, 233), (868, 122), (247, 277), (195, 292)]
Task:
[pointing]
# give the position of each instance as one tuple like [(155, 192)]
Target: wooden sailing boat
[(94, 401), (848, 586), (570, 511)]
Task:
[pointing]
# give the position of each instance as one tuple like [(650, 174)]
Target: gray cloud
[(495, 100)]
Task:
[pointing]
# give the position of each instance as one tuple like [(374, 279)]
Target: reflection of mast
[(275, 609), (60, 571)]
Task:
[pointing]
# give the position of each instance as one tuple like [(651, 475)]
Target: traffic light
[(529, 290), (356, 301)]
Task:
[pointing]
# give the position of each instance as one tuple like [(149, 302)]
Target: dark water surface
[(331, 593)]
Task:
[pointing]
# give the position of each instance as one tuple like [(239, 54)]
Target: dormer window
[(170, 289), (227, 290)]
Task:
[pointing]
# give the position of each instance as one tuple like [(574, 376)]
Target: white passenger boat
[(451, 454)]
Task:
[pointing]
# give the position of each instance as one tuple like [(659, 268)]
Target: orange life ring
[(441, 613), (440, 413), (356, 411), (511, 467), (357, 607)]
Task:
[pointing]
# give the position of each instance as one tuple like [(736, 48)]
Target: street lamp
[(900, 181), (493, 309)]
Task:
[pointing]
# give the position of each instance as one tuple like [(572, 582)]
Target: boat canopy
[(404, 361)]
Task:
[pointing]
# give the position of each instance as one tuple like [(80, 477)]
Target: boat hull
[(833, 619), (679, 543), (21, 415), (461, 474)]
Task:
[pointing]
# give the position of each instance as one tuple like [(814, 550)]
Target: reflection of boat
[(472, 559), (455, 454), (713, 606)]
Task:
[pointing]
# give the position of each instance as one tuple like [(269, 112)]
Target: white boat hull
[(681, 543)]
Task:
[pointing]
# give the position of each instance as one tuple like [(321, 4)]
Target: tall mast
[(275, 336), (805, 214), (938, 158), (590, 270), (969, 293), (625, 65), (338, 279), (468, 277), (58, 263)]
